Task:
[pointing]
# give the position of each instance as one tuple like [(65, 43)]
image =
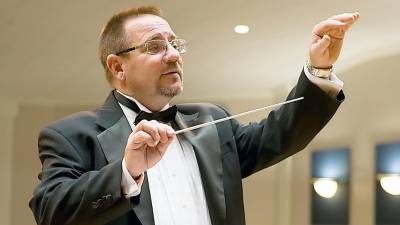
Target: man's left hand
[(327, 39)]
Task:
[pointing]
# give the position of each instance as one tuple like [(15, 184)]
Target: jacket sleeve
[(71, 193), (286, 130)]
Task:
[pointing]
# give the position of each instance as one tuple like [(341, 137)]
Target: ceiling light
[(390, 183), (242, 29), (325, 187)]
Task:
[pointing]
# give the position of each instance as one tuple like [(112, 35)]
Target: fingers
[(151, 133), (162, 146), (336, 26), (346, 17), (328, 27), (165, 132)]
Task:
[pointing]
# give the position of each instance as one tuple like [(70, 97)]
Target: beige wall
[(277, 196)]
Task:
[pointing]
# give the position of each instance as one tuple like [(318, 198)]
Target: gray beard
[(170, 92)]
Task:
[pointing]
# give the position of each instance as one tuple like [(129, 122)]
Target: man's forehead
[(144, 27)]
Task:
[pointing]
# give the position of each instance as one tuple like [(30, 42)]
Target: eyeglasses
[(154, 47)]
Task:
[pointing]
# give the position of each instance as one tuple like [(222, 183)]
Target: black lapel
[(206, 145), (113, 140)]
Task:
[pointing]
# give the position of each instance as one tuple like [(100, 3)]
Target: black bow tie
[(165, 116)]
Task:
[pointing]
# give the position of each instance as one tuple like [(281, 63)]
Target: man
[(111, 167)]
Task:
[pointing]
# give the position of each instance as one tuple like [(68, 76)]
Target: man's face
[(151, 76)]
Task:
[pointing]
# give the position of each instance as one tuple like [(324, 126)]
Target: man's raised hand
[(327, 39)]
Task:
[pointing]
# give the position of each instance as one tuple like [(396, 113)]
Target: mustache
[(173, 68)]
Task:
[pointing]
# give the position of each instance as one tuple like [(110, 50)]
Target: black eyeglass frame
[(146, 44)]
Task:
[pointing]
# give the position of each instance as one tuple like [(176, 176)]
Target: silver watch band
[(319, 72)]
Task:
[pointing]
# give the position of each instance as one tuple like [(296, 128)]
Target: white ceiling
[(49, 47)]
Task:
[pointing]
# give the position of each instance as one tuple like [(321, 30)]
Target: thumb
[(323, 44), (162, 147)]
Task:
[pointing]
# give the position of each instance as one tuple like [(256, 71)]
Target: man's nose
[(171, 54)]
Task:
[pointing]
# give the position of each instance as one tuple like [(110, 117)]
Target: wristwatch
[(319, 72)]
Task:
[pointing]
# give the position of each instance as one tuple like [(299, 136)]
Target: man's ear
[(114, 64)]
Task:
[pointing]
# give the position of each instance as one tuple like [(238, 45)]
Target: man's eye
[(154, 47)]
